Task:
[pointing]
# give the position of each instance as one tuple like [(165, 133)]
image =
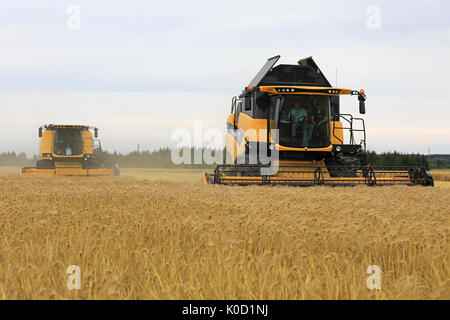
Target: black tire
[(91, 164), (429, 179), (338, 167), (44, 164)]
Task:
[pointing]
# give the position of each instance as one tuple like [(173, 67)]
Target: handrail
[(348, 118)]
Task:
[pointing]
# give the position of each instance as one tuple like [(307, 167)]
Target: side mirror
[(362, 107), (95, 133), (40, 132), (248, 103), (362, 103)]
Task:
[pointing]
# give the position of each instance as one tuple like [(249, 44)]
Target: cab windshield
[(302, 121), (67, 142)]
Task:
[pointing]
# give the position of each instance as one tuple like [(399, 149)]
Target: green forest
[(162, 159)]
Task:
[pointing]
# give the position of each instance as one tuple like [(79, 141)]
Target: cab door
[(238, 112), (233, 136)]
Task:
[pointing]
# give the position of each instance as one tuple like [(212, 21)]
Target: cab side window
[(248, 103)]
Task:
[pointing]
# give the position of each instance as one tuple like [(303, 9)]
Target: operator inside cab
[(319, 122), (302, 121), (68, 142), (299, 117)]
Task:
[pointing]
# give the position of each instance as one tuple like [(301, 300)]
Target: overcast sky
[(140, 69)]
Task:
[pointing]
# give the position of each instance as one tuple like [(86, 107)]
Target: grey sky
[(140, 69)]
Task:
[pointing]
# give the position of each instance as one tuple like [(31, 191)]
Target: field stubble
[(141, 239)]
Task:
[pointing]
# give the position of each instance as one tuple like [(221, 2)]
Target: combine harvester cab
[(315, 143), (69, 150)]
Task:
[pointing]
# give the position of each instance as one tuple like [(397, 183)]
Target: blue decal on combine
[(236, 133)]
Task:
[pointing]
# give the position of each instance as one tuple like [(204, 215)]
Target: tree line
[(439, 161), (12, 159), (162, 158), (398, 159)]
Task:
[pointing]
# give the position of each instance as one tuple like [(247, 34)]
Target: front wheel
[(338, 167), (44, 164)]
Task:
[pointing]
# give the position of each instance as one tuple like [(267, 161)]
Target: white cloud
[(125, 119), (156, 65)]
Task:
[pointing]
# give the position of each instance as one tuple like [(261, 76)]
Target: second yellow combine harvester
[(290, 114), (69, 150)]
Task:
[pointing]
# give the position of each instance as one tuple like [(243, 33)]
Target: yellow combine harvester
[(69, 150), (314, 143)]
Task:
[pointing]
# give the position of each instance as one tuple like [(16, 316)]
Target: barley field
[(441, 175), (160, 234)]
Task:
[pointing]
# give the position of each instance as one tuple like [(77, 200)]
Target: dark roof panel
[(305, 73)]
